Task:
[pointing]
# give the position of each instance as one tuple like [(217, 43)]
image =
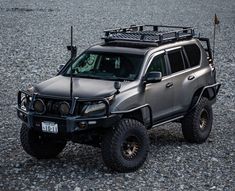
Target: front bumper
[(68, 124)]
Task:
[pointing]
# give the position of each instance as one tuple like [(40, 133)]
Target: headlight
[(64, 108), (95, 108), (39, 106)]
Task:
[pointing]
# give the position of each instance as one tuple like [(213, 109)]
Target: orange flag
[(216, 20)]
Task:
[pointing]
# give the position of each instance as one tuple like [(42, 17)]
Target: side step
[(167, 121)]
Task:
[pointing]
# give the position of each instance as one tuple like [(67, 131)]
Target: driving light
[(95, 108), (64, 108), (39, 106), (25, 102)]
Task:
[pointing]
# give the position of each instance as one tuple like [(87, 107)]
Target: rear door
[(183, 76)]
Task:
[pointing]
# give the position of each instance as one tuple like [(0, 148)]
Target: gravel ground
[(33, 36)]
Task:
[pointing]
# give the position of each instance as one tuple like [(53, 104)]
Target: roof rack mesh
[(149, 33)]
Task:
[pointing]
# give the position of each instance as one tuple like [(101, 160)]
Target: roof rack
[(156, 34)]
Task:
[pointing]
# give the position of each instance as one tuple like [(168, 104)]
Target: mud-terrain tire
[(125, 146), (38, 145), (196, 125)]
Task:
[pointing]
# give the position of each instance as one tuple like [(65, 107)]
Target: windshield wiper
[(91, 76), (88, 76), (117, 79)]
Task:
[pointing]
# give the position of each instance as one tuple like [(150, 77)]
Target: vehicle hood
[(82, 87)]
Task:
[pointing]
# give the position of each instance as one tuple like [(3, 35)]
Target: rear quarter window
[(194, 54)]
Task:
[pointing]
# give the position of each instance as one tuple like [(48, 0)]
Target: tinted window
[(158, 65), (176, 61), (193, 53)]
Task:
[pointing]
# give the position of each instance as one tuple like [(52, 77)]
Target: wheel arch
[(209, 92), (137, 113)]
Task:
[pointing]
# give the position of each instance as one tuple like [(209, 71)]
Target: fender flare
[(214, 87), (135, 109)]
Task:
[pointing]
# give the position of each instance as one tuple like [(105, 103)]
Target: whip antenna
[(71, 66), (216, 22), (73, 50)]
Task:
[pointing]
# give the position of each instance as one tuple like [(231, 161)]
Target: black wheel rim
[(130, 147), (203, 119)]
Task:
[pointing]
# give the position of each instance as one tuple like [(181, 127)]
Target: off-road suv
[(138, 78)]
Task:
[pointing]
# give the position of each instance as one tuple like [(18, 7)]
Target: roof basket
[(157, 34)]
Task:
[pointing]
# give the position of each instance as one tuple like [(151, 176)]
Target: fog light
[(39, 106), (82, 124)]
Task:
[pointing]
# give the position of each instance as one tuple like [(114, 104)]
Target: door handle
[(170, 84), (191, 77)]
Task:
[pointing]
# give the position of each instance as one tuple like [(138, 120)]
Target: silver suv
[(140, 77)]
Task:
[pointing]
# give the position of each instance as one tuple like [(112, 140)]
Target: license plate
[(49, 127)]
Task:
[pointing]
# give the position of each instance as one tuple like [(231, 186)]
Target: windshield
[(107, 66)]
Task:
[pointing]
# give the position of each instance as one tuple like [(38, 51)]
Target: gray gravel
[(33, 36)]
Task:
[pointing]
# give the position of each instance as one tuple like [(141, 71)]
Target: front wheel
[(125, 147), (38, 145), (196, 126)]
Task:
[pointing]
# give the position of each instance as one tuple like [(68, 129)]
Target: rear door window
[(176, 60), (193, 54)]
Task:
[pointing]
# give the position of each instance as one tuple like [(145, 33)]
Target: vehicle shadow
[(82, 158), (165, 135), (76, 158)]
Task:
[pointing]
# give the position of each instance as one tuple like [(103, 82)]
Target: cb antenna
[(71, 65), (73, 50)]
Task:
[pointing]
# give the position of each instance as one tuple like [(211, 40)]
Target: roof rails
[(156, 34)]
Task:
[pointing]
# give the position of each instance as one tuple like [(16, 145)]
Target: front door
[(160, 95)]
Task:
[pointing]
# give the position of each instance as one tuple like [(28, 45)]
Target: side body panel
[(188, 81), (166, 102)]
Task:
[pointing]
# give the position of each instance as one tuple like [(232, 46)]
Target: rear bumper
[(68, 124)]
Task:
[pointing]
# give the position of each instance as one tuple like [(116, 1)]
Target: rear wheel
[(125, 146), (38, 145), (196, 125)]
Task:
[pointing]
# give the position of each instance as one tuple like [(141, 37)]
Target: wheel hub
[(203, 119), (130, 147)]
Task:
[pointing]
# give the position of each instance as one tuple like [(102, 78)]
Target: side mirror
[(117, 85), (60, 67), (153, 77)]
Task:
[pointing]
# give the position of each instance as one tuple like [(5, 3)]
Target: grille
[(52, 107)]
